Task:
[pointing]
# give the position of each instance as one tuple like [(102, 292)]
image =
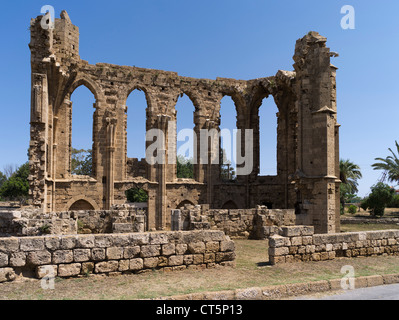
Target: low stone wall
[(33, 222), (74, 255), (258, 223), (299, 243), (364, 220)]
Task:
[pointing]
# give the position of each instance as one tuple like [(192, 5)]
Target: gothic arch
[(86, 201)]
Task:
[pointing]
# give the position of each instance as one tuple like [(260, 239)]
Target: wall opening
[(228, 141), (268, 137), (135, 133), (230, 205), (82, 131), (185, 144), (81, 205), (136, 124), (137, 195), (182, 204)]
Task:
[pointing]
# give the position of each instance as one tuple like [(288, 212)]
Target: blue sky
[(220, 38)]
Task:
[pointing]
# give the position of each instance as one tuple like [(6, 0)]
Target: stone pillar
[(111, 123), (162, 177), (316, 179), (176, 223), (38, 147)]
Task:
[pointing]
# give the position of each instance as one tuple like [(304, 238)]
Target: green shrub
[(136, 195), (352, 209), (381, 195), (394, 202)]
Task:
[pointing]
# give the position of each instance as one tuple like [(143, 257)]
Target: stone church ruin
[(305, 190)]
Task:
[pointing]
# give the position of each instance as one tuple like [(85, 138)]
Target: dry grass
[(252, 270)]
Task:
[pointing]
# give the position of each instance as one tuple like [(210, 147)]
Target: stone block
[(188, 259), (219, 295), (196, 247), (297, 289), (131, 252), (391, 278), (213, 246), (225, 256), (106, 266), (198, 259), (136, 264), (69, 270), (175, 260), (181, 249), (168, 249), (138, 239), (3, 259), (248, 294), (37, 258), (296, 241), (7, 274), (103, 241), (277, 241), (274, 292), (87, 268), (98, 254), (226, 246), (209, 257), (114, 253), (62, 256), (280, 251), (17, 259), (150, 263), (67, 242), (9, 245), (46, 271), (158, 238), (85, 241), (52, 243), (32, 244), (123, 265), (373, 281), (319, 286), (148, 251), (81, 255)]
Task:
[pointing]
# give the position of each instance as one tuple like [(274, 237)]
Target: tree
[(227, 171), (184, 167), (82, 162), (390, 165), (3, 178), (381, 195), (17, 186), (136, 195), (349, 174)]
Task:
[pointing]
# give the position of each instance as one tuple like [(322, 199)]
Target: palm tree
[(390, 165), (349, 174)]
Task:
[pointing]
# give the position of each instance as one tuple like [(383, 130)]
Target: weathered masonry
[(307, 133)]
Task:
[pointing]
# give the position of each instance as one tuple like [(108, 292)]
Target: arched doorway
[(81, 205)]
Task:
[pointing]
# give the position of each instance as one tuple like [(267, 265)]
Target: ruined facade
[(307, 133)]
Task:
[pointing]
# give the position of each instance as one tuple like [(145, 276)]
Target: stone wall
[(299, 243), (33, 222), (307, 133), (74, 255), (257, 223)]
